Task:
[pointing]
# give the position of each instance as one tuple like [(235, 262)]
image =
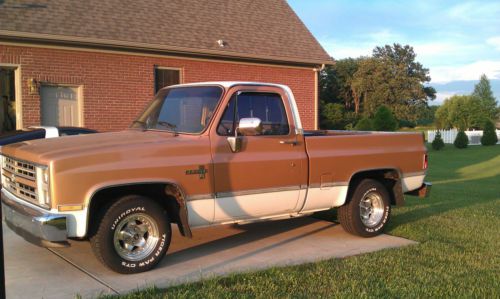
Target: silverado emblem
[(201, 171)]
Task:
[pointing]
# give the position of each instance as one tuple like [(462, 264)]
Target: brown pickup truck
[(199, 155)]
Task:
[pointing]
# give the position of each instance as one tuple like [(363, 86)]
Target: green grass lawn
[(458, 255)]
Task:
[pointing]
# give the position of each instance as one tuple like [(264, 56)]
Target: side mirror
[(248, 126)]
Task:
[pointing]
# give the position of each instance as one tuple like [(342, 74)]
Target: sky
[(456, 40)]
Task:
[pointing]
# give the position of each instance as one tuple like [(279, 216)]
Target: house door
[(8, 116), (60, 106)]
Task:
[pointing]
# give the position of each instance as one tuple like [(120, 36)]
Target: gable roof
[(251, 29)]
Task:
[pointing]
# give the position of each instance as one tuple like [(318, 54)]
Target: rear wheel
[(367, 211), (133, 235)]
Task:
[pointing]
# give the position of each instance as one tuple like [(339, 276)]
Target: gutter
[(145, 47)]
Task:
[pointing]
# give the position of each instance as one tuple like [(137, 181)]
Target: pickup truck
[(200, 155)]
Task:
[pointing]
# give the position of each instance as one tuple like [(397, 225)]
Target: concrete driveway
[(34, 272)]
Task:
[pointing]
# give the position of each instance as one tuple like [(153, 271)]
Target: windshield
[(181, 109)]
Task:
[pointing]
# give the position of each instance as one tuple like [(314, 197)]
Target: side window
[(268, 107)]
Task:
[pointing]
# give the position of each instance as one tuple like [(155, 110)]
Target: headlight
[(43, 185)]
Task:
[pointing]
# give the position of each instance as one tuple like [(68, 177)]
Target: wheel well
[(390, 178), (158, 192)]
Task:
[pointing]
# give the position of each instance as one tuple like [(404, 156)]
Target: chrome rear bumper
[(34, 224)]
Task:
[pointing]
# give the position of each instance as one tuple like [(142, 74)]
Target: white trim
[(50, 132), (324, 198), (255, 205), (76, 222), (412, 182), (200, 212)]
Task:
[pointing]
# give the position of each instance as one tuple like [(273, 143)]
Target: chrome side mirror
[(250, 126), (247, 126)]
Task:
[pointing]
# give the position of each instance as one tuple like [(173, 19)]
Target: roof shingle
[(267, 29)]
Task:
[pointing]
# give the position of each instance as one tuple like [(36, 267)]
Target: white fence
[(449, 136)]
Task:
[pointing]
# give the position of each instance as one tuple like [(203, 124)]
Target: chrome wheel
[(371, 209), (136, 237)]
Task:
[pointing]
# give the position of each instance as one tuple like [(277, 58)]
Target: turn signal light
[(426, 161)]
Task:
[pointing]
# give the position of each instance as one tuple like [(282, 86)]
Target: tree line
[(466, 112), (390, 89)]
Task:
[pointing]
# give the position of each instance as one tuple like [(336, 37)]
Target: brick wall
[(116, 87)]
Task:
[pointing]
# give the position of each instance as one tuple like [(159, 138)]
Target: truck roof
[(229, 84)]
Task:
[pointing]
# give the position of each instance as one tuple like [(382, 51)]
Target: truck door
[(267, 175)]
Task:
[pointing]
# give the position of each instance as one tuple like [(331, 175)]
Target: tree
[(332, 116), (460, 111), (384, 120), (441, 117), (489, 134), (482, 90), (393, 78), (364, 124), (437, 143), (335, 88), (335, 82), (461, 141)]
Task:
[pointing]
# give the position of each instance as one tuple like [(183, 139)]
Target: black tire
[(350, 215), (137, 219)]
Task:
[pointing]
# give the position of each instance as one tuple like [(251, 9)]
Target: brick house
[(97, 63)]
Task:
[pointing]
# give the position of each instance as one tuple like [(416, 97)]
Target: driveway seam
[(84, 271)]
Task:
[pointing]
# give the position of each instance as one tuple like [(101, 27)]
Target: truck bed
[(335, 156)]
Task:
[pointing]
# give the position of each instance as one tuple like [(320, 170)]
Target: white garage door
[(59, 106)]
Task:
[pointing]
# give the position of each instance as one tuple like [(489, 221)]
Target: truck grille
[(20, 179)]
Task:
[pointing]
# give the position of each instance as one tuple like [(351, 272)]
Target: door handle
[(292, 142)]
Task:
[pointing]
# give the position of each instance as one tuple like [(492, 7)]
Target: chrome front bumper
[(34, 224)]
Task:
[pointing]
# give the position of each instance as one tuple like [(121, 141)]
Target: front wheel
[(133, 235), (367, 211)]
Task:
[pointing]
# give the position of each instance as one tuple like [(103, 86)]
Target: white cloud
[(475, 11), (470, 71), (448, 60), (494, 41), (363, 46), (384, 36)]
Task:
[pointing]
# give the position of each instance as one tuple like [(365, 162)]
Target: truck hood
[(43, 151)]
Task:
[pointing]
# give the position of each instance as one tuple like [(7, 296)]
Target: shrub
[(461, 141), (332, 116), (364, 124), (403, 123), (384, 120), (489, 134), (438, 143)]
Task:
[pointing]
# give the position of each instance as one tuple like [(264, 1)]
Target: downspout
[(316, 95)]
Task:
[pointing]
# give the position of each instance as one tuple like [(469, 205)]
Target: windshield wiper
[(169, 125)]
